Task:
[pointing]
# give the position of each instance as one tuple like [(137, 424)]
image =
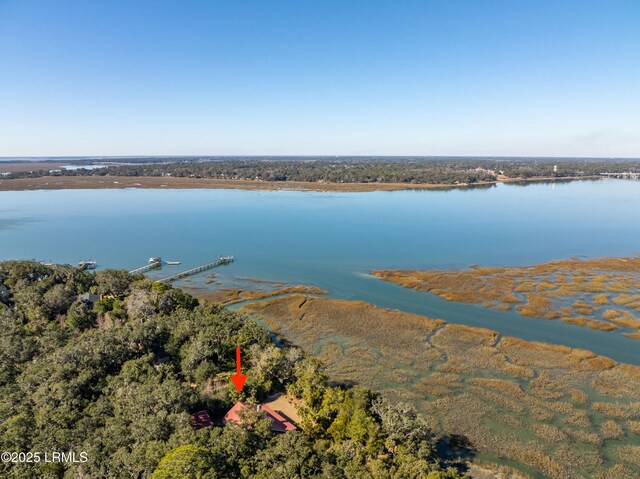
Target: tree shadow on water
[(456, 450)]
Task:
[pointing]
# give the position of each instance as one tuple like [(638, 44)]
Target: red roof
[(201, 419), (280, 423)]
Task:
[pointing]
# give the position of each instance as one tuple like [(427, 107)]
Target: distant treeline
[(353, 170)]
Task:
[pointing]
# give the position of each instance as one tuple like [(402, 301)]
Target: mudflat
[(229, 296), (168, 182)]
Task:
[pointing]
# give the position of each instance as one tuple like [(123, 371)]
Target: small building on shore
[(201, 419)]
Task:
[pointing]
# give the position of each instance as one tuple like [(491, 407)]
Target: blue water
[(332, 240)]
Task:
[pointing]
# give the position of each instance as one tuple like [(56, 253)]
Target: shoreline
[(163, 182)]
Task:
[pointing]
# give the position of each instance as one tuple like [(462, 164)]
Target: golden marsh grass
[(578, 292), (532, 403)]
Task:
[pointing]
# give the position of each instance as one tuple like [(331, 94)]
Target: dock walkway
[(197, 269), (145, 268)]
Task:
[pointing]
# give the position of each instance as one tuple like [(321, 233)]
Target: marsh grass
[(578, 396), (634, 426), (629, 454), (576, 459), (600, 299), (611, 430), (622, 318), (229, 296), (619, 382), (578, 418), (624, 299), (550, 408), (541, 414), (586, 437), (549, 433), (590, 323), (575, 291), (618, 471), (612, 410)]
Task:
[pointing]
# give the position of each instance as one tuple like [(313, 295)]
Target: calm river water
[(332, 240)]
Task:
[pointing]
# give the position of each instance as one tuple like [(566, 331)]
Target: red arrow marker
[(239, 378)]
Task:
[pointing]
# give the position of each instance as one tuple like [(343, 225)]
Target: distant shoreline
[(163, 182)]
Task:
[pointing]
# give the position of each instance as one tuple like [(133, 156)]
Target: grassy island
[(602, 293)]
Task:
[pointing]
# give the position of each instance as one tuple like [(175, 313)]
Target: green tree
[(141, 305), (80, 316), (113, 282), (288, 455), (310, 382), (185, 462), (271, 368), (57, 300), (94, 384)]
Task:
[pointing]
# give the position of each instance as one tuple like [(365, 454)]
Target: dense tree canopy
[(411, 170), (120, 379)]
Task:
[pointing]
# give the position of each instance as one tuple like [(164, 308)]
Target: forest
[(350, 169), (117, 373)]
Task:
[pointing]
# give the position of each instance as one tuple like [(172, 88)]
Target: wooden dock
[(145, 268), (197, 269)]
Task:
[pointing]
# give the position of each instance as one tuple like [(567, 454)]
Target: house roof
[(201, 419), (89, 297), (280, 423)]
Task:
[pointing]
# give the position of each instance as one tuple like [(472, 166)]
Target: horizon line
[(324, 156)]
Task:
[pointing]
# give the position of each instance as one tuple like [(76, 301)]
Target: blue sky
[(545, 78)]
